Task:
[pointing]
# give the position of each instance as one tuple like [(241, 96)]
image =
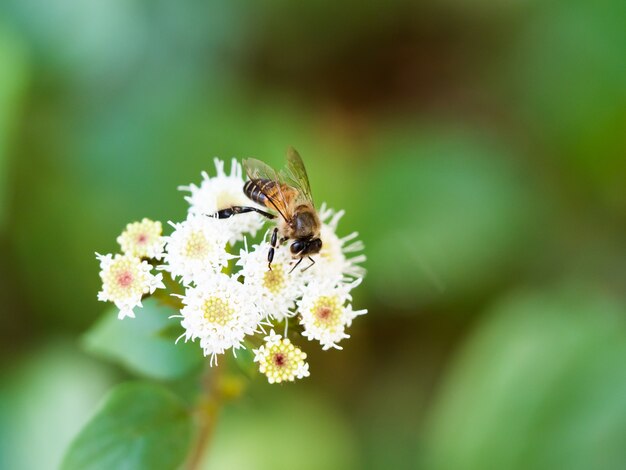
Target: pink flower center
[(142, 238), (323, 313), (125, 279), (279, 359)]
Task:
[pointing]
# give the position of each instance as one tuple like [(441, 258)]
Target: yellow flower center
[(197, 246), (274, 280), (217, 311), (327, 312), (281, 361)]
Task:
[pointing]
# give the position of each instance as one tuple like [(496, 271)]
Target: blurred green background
[(478, 147)]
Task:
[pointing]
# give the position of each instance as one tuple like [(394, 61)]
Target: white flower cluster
[(228, 293)]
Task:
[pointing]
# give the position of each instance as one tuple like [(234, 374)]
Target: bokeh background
[(478, 147)]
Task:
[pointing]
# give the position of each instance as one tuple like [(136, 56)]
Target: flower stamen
[(217, 311)]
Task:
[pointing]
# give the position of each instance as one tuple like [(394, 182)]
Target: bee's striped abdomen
[(257, 190)]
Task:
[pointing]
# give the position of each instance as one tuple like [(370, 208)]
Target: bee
[(288, 193)]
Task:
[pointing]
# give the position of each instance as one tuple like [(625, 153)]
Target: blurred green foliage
[(478, 149), (552, 396), (13, 80), (144, 346), (45, 398), (282, 429), (453, 190)]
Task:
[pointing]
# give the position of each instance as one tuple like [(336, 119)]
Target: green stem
[(208, 411)]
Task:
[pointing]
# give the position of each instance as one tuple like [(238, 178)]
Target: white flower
[(142, 239), (220, 312), (276, 290), (221, 192), (333, 263), (325, 312), (125, 279), (280, 360), (196, 247)]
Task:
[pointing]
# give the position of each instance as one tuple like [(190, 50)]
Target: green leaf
[(139, 425), (144, 345)]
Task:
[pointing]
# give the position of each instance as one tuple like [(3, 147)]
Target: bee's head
[(305, 247)]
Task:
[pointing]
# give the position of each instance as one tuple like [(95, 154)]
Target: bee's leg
[(270, 254), (295, 265), (226, 213), (312, 263), (283, 240)]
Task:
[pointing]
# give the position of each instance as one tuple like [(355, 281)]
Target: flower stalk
[(207, 413)]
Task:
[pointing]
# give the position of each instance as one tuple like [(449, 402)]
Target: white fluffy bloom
[(280, 360), (276, 290), (221, 192), (220, 312), (125, 279), (325, 312), (142, 239), (333, 262), (196, 247)]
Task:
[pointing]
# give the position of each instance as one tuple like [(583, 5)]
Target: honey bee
[(287, 192)]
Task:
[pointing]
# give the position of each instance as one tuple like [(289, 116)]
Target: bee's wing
[(295, 175), (256, 169)]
